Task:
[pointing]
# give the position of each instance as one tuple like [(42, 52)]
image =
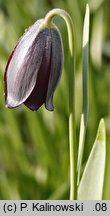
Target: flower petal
[(23, 66), (38, 95), (56, 67)]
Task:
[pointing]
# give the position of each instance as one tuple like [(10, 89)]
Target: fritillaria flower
[(34, 68)]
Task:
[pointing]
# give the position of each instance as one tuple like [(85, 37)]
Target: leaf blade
[(91, 184), (84, 115)]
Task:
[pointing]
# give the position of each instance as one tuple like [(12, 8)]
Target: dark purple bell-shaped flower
[(34, 68)]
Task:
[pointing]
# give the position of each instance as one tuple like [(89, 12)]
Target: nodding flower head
[(34, 68)]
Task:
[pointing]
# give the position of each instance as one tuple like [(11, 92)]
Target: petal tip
[(50, 109), (8, 106), (32, 107), (49, 104), (10, 103)]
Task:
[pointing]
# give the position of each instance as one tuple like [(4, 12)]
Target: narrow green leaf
[(85, 64), (84, 116), (91, 184), (81, 146)]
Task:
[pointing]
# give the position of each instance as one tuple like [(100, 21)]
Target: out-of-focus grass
[(34, 155)]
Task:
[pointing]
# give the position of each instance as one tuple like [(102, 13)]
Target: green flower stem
[(72, 128)]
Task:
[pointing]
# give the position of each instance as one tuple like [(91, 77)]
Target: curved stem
[(72, 128)]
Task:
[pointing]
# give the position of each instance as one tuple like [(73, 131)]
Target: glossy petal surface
[(23, 66), (55, 68), (38, 95)]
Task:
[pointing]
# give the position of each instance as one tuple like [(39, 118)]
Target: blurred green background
[(34, 151)]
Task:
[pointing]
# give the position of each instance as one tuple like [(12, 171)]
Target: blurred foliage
[(34, 154)]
